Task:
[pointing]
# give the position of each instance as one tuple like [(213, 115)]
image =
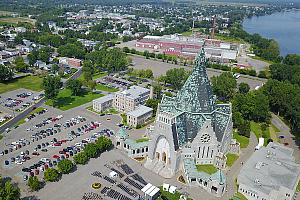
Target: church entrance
[(164, 157), (157, 155)]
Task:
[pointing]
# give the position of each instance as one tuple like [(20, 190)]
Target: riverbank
[(281, 26)]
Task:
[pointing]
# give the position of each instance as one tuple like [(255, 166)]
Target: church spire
[(196, 94)]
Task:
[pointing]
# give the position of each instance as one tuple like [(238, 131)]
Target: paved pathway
[(234, 171)]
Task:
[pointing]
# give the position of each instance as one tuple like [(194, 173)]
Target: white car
[(46, 160), (88, 140), (18, 162)]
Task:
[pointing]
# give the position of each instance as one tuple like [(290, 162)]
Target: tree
[(81, 158), (65, 166), (9, 191), (34, 183), (292, 59), (157, 90), (176, 77), (6, 73), (91, 84), (91, 150), (54, 68), (20, 65), (51, 85), (244, 128), (244, 88), (224, 86), (103, 143), (152, 103), (75, 86), (88, 70), (72, 50), (51, 175)]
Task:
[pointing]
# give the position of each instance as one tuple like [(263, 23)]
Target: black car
[(12, 159), (54, 140), (6, 151), (54, 162), (26, 169), (44, 150), (6, 162), (39, 146)]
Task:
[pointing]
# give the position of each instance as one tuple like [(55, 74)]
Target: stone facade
[(191, 122)]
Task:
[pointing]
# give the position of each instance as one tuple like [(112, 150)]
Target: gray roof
[(136, 145), (141, 110), (134, 92), (104, 99), (269, 168)]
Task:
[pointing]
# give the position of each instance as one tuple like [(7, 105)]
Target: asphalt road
[(160, 68)]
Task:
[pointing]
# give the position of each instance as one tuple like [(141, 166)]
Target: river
[(284, 27)]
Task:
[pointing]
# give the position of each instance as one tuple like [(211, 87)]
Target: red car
[(35, 154), (67, 155), (286, 144), (55, 156), (57, 144), (63, 141)]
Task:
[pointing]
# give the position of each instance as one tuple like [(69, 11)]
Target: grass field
[(106, 88), (257, 130), (298, 186), (66, 101), (209, 169), (145, 139), (231, 158), (15, 20), (29, 82), (32, 112), (244, 141), (239, 196), (273, 132)]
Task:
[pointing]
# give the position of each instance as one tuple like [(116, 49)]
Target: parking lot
[(19, 100), (22, 141)]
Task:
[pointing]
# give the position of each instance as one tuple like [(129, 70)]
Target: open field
[(29, 82), (15, 20), (95, 76), (66, 101)]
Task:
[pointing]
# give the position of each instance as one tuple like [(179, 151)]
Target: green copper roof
[(195, 103), (122, 133), (196, 94)]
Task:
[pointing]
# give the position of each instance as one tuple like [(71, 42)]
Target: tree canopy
[(75, 86), (51, 85), (9, 191), (65, 166), (224, 86), (6, 73), (51, 175)]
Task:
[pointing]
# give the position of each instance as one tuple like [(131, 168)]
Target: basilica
[(192, 129)]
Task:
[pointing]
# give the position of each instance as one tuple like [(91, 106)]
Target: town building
[(103, 103), (270, 174), (128, 100), (191, 128), (139, 116), (133, 148), (188, 47), (72, 62)]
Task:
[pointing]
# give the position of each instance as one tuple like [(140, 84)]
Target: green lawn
[(298, 187), (273, 132), (239, 196), (145, 139), (99, 75), (168, 195), (29, 82), (257, 130), (209, 169), (231, 158), (66, 101), (1, 136), (106, 88), (244, 141), (32, 112)]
